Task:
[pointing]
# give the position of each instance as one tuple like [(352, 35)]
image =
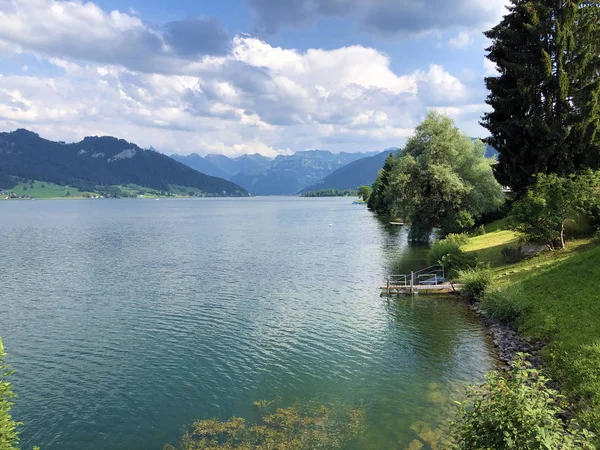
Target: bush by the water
[(475, 282), (505, 305), (303, 426), (448, 252), (517, 410)]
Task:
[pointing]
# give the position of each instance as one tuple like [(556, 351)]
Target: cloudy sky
[(242, 76)]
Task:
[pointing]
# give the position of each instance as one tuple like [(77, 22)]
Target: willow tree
[(545, 100), (442, 180)]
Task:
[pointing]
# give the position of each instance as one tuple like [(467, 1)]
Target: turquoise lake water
[(128, 319)]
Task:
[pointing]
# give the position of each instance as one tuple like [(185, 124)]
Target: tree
[(9, 437), (364, 192), (376, 200), (545, 101), (441, 180), (541, 214)]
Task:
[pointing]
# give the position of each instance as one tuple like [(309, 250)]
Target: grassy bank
[(555, 298), (45, 190)]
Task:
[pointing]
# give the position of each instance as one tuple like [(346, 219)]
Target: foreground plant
[(303, 426), (517, 410), (9, 437)]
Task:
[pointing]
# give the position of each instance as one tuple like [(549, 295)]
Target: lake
[(126, 320)]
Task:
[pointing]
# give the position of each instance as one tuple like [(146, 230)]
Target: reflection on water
[(127, 320)]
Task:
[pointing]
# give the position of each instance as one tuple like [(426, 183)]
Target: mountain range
[(283, 175), (107, 161), (100, 161)]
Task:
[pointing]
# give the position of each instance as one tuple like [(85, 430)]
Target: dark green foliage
[(100, 161), (365, 192), (506, 306), (332, 193), (542, 213), (511, 255), (475, 282), (517, 410), (9, 437), (6, 181), (300, 427), (546, 100), (378, 201), (448, 252), (479, 231), (441, 180)]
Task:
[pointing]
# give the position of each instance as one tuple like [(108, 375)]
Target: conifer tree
[(545, 100), (376, 201)]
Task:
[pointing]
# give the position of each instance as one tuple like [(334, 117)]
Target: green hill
[(98, 162)]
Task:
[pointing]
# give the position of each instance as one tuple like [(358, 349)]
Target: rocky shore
[(507, 341)]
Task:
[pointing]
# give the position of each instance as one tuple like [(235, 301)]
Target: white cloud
[(256, 98), (490, 68), (461, 41)]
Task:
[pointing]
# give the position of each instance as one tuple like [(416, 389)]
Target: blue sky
[(243, 76)]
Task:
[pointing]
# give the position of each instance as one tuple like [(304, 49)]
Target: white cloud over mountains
[(187, 87)]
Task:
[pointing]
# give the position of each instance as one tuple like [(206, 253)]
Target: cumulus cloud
[(83, 31), (171, 88), (381, 17), (461, 41)]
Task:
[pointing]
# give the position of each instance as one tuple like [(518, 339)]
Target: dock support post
[(412, 289), (388, 288)]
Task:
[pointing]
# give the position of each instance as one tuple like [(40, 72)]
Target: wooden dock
[(431, 280), (446, 288)]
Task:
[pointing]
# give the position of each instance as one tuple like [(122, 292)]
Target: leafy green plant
[(475, 282), (448, 252), (9, 436), (504, 305), (479, 231), (517, 410), (303, 426), (544, 212)]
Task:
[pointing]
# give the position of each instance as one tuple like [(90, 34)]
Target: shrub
[(447, 252), (516, 410), (479, 231), (9, 436), (449, 245), (506, 306), (475, 282)]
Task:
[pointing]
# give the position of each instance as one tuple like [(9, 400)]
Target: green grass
[(559, 303), (553, 297), (489, 247), (45, 190)]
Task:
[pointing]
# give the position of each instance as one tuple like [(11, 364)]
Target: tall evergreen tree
[(377, 201), (545, 101)]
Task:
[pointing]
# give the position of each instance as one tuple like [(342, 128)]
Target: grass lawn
[(553, 297), (44, 190)]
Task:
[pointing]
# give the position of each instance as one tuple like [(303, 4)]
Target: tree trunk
[(562, 235)]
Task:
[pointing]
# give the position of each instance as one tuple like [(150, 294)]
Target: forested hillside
[(100, 161)]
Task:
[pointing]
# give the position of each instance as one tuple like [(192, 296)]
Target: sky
[(243, 76)]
